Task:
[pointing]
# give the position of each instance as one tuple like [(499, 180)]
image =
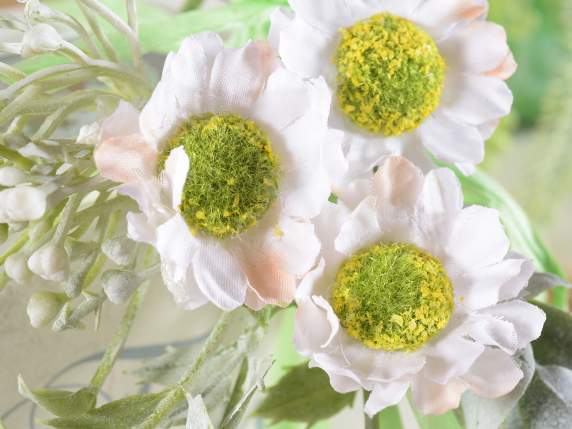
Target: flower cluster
[(281, 170), (302, 170)]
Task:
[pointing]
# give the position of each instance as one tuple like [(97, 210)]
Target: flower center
[(393, 297), (390, 74), (233, 176)]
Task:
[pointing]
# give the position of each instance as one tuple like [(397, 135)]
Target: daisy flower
[(225, 162), (407, 74), (413, 290)]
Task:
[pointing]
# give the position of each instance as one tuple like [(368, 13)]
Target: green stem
[(21, 242), (177, 393), (371, 422), (118, 340), (18, 160)]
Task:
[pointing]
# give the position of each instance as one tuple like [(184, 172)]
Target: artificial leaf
[(303, 395), (547, 403), (541, 282), (124, 413), (555, 343), (61, 403), (484, 413), (197, 415)]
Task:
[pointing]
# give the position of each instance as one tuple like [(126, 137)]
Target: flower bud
[(11, 176), (41, 38), (119, 250), (22, 204), (119, 285), (50, 262), (36, 11), (43, 307), (17, 269), (89, 134)]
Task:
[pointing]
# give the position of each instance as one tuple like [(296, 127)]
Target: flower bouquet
[(304, 161)]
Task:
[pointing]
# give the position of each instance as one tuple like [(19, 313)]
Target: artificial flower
[(408, 74), (414, 290), (225, 161), (22, 204)]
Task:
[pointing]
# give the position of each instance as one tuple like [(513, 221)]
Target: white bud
[(119, 250), (22, 204), (36, 11), (119, 285), (50, 263), (43, 307), (41, 38), (16, 268), (89, 134), (12, 176)]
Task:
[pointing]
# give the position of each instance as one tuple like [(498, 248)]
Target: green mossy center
[(390, 74), (233, 177), (393, 297)]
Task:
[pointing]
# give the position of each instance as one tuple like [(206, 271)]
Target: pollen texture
[(393, 297), (390, 74), (233, 176)]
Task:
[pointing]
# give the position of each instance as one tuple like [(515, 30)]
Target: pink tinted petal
[(385, 395), (505, 70), (434, 398), (125, 159), (398, 182), (123, 122)]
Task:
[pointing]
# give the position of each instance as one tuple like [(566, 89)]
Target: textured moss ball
[(233, 177), (390, 74), (393, 297)]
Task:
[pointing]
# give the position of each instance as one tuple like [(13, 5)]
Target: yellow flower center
[(233, 176), (390, 74), (393, 297)]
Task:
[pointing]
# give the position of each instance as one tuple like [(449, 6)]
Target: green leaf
[(553, 347), (483, 413), (124, 413), (303, 395), (198, 416), (61, 403), (548, 401)]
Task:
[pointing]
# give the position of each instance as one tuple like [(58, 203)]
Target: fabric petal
[(313, 329), (452, 141), (434, 398), (175, 174), (494, 374), (219, 276), (326, 15), (159, 118), (474, 99), (477, 239), (441, 15), (397, 182), (139, 229), (385, 395), (123, 122), (360, 230)]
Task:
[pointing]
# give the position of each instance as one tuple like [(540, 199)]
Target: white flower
[(16, 268), (12, 176), (408, 74), (50, 262), (41, 38), (43, 307), (22, 204), (425, 283), (241, 142)]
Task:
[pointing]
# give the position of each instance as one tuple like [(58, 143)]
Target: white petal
[(361, 229), (435, 398), (123, 122), (485, 286), (526, 318), (280, 18), (326, 15), (478, 239), (284, 99), (442, 15), (441, 196), (175, 173), (314, 328), (476, 48), (305, 49), (512, 288), (494, 374), (295, 242), (398, 183), (450, 357), (385, 395), (139, 229), (474, 99), (159, 118), (176, 246), (343, 384), (492, 331), (308, 285), (238, 76), (219, 276), (452, 141)]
